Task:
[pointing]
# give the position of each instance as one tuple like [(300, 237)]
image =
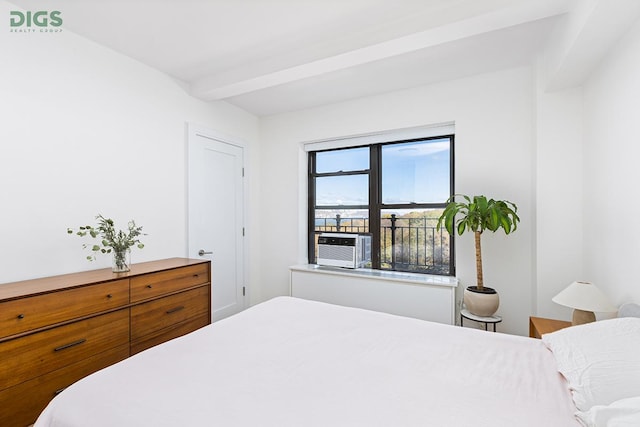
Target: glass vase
[(121, 261)]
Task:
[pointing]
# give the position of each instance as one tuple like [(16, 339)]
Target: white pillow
[(622, 413), (600, 360)]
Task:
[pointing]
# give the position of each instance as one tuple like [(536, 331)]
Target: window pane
[(343, 220), (409, 241), (346, 190), (416, 172), (352, 159)]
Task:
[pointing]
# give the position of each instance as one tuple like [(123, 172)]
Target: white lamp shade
[(584, 296)]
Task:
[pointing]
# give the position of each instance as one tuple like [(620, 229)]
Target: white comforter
[(290, 362)]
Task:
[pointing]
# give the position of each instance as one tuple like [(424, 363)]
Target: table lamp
[(584, 298)]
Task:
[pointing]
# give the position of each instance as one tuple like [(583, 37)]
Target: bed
[(293, 362)]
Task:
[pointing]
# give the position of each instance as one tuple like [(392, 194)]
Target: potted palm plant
[(477, 214)]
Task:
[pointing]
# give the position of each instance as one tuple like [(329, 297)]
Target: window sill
[(399, 276)]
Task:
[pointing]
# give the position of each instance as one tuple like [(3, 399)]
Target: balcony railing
[(406, 243)]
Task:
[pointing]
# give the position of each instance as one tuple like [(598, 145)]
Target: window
[(394, 191)]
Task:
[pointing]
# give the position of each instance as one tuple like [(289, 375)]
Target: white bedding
[(291, 362)]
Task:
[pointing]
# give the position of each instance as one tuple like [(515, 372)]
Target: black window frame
[(375, 206)]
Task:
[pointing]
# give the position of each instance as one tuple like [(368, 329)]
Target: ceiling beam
[(209, 89), (591, 29)]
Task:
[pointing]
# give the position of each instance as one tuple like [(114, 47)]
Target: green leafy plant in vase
[(118, 242), (477, 214)]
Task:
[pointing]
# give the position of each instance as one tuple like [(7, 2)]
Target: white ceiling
[(272, 56)]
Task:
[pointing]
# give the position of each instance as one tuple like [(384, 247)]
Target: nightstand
[(540, 325)]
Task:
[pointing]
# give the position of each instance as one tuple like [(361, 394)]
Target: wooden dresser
[(56, 330)]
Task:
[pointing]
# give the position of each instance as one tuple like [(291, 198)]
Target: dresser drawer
[(170, 333), (42, 352), (162, 313), (20, 405), (163, 282), (25, 314)]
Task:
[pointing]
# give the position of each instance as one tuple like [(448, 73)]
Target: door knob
[(202, 252)]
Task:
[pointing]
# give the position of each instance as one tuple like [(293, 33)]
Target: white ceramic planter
[(482, 304)]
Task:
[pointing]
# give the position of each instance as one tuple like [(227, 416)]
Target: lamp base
[(581, 317)]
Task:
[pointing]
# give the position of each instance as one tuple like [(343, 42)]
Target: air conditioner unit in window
[(344, 250)]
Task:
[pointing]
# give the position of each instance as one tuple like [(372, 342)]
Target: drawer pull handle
[(71, 344), (149, 286), (58, 391), (173, 310), (109, 296), (20, 316)]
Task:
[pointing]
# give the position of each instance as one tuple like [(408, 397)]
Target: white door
[(216, 216)]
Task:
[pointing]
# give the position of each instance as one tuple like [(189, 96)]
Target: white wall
[(558, 198), (85, 131), (494, 116), (571, 167), (612, 172)]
